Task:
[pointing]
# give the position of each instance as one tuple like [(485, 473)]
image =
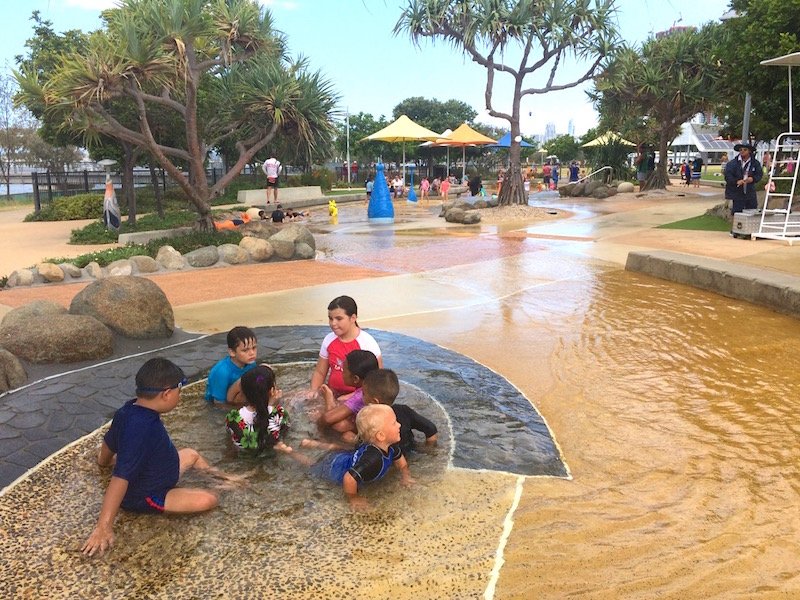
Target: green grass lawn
[(701, 223)]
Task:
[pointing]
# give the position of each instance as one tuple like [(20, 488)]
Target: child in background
[(146, 463), (345, 337), (380, 433), (381, 387), (262, 421), (223, 380), (341, 417), (368, 185), (444, 188), (424, 188)]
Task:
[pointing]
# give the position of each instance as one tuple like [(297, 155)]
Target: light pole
[(347, 124)]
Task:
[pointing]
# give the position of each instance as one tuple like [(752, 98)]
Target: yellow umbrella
[(464, 136), (403, 130), (607, 138)]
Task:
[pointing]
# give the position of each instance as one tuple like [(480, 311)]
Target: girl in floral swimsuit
[(262, 422)]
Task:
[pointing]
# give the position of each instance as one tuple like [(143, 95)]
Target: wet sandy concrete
[(674, 409)]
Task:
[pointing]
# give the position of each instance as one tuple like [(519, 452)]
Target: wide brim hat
[(741, 145)]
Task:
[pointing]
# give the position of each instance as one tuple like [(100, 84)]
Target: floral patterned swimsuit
[(239, 424)]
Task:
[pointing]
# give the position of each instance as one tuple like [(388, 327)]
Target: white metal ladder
[(782, 223)]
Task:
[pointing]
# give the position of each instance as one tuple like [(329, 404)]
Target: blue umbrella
[(505, 142)]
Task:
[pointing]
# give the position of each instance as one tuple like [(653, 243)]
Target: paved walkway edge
[(770, 289)]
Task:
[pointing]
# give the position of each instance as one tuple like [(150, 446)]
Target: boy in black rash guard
[(381, 386)]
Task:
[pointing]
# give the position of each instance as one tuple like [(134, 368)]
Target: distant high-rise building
[(571, 128), (549, 131)]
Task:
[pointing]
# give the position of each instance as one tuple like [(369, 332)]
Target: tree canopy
[(217, 67), (763, 29), (648, 93), (517, 38)]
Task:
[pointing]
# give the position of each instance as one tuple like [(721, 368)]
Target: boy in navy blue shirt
[(223, 380), (146, 463)]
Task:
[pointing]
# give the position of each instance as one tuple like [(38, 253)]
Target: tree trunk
[(157, 190), (128, 162), (513, 190), (658, 179)]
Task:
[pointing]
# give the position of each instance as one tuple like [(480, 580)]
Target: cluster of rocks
[(44, 332), (595, 189), (467, 212), (262, 242)]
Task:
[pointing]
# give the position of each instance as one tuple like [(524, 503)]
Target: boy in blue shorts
[(223, 380), (146, 463)]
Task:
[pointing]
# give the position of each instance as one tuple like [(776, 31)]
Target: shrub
[(70, 208), (96, 233), (183, 244), (193, 241), (324, 178)]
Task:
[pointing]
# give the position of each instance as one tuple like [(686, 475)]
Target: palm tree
[(216, 67), (659, 87), (546, 32)]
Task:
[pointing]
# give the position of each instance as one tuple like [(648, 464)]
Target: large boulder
[(71, 270), (12, 373), (283, 243), (455, 215), (144, 263), (120, 268), (202, 257), (169, 258), (50, 272), (259, 229), (301, 234), (134, 307), (94, 270), (260, 250), (61, 338), (304, 252), (20, 277), (625, 187), (38, 310), (233, 254)]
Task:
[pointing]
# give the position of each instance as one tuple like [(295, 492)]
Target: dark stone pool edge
[(494, 426)]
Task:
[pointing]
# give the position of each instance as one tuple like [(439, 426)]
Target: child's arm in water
[(402, 466), (318, 377), (350, 486), (102, 537), (106, 458), (234, 395), (333, 412)]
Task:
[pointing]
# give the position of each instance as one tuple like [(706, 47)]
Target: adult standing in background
[(641, 167), (742, 173), (272, 169), (697, 169)]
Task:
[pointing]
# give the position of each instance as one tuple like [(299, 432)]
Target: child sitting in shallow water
[(379, 449), (341, 416), (262, 422)]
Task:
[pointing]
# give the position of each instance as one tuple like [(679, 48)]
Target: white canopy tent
[(789, 61)]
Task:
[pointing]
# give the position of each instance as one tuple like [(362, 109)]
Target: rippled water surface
[(674, 409)]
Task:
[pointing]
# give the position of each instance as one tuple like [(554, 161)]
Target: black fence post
[(163, 180), (49, 187), (85, 181), (37, 201)]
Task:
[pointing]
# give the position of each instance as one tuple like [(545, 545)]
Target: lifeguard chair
[(779, 222)]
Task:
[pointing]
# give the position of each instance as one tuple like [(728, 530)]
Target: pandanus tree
[(216, 67), (661, 85), (518, 38)]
